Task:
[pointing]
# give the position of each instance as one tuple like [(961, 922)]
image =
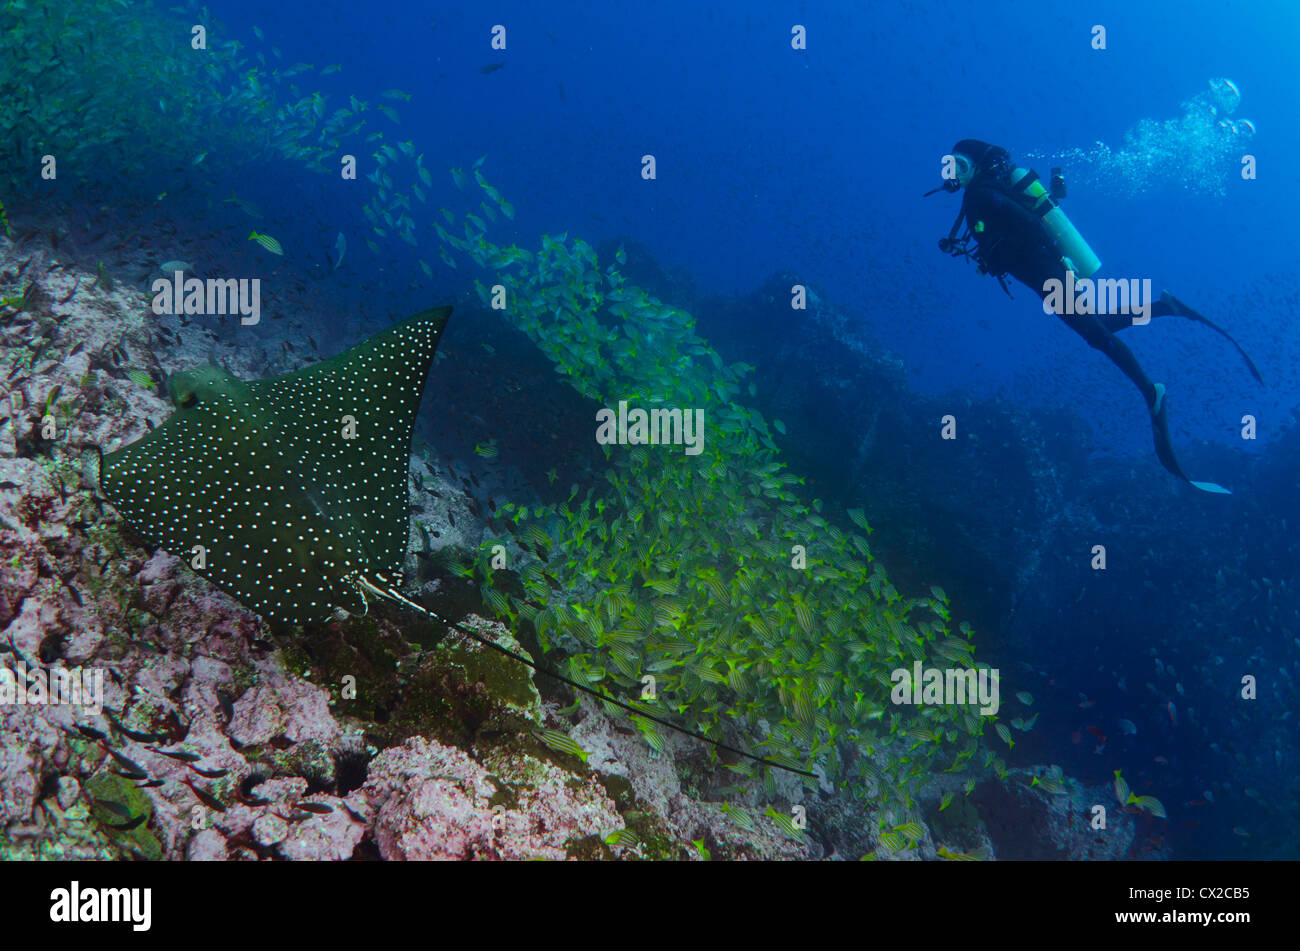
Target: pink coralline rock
[(162, 566), (19, 574), (40, 506), (554, 808), (201, 705), (270, 829), (657, 787), (240, 819), (21, 545), (288, 707), (160, 583), (158, 597), (280, 827), (160, 677), (284, 829), (197, 611), (429, 802), (653, 778), (207, 845), (38, 618), (435, 802), (83, 643), (333, 836), (27, 740)]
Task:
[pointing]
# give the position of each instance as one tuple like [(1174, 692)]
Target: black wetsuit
[(1011, 239)]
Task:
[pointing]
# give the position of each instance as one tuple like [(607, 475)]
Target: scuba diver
[(1017, 228)]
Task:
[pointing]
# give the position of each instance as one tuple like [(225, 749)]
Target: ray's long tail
[(384, 590)]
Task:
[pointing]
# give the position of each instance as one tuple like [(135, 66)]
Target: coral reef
[(381, 736)]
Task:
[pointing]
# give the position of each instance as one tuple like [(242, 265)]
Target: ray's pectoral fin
[(354, 416), (284, 490)]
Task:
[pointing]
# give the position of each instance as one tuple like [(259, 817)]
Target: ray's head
[(202, 384)]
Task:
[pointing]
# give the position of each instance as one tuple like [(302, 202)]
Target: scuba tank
[(1075, 252)]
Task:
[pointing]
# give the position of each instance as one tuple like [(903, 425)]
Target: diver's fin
[(1176, 306), (1165, 448)]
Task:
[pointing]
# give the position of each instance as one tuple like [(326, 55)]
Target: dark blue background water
[(814, 161)]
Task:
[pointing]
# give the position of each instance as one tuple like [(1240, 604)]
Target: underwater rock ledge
[(218, 741)]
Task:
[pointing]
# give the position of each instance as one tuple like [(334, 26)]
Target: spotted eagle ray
[(290, 493)]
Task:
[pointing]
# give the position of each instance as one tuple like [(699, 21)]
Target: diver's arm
[(1005, 217)]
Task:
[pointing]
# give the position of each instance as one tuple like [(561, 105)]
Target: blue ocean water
[(813, 162)]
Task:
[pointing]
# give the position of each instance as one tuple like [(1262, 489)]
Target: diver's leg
[(1092, 330), (1114, 323), (1169, 304)]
